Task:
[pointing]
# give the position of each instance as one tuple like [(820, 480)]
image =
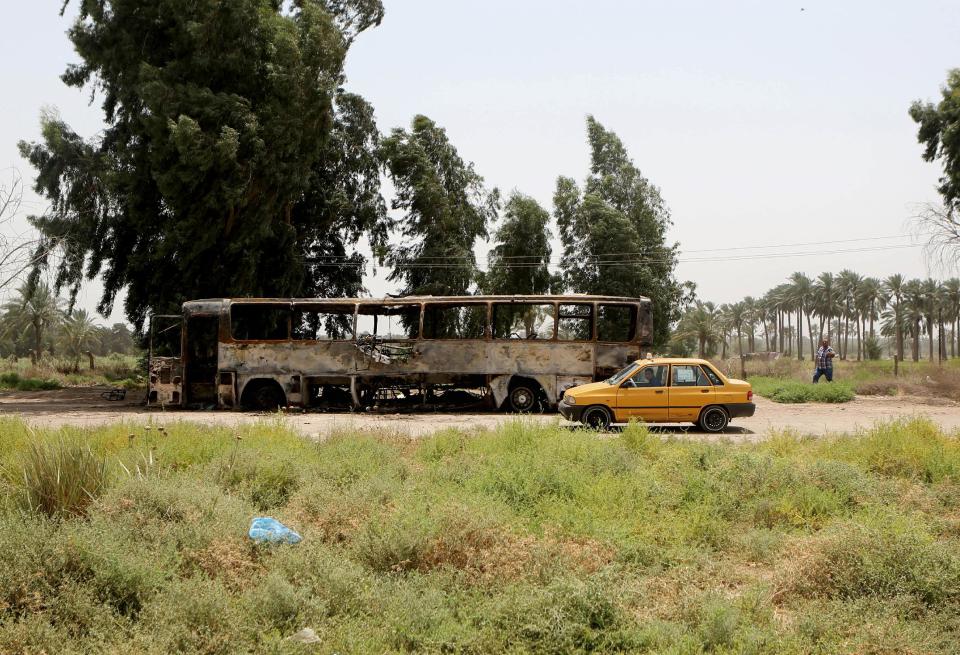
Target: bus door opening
[(201, 358)]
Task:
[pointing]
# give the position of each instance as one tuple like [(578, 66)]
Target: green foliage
[(232, 162), (36, 310), (12, 380), (529, 538), (446, 209), (519, 262), (794, 391), (614, 232), (939, 133), (78, 336)]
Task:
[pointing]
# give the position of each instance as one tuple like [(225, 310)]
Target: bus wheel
[(714, 419), (597, 418), (264, 395), (523, 399)]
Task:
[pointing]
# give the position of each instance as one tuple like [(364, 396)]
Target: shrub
[(61, 478), (854, 560), (12, 380), (794, 391)]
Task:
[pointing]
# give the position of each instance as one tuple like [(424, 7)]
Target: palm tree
[(725, 326), (35, 309), (951, 291), (800, 292), (893, 285), (848, 284), (825, 304), (737, 315), (930, 292), (700, 322), (913, 313), (78, 335), (750, 318)]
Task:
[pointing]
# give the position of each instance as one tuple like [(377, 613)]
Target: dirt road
[(85, 407)]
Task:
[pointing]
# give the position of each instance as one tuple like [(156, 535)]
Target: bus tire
[(524, 398), (264, 395), (597, 418), (714, 419)]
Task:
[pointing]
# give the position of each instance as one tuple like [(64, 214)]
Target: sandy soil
[(85, 407)]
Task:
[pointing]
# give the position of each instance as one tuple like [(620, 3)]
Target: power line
[(634, 261), (426, 260)]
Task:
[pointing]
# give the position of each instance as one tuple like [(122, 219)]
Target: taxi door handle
[(704, 391), (658, 391)]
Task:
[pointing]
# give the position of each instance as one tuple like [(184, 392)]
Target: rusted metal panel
[(166, 381)]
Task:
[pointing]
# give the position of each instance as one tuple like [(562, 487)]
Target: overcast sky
[(763, 123)]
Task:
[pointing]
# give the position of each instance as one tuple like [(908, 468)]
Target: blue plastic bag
[(264, 528)]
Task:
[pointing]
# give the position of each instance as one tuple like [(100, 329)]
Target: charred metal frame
[(358, 368)]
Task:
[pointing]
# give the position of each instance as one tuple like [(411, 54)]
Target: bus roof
[(572, 298)]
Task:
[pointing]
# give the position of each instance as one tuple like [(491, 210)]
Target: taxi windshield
[(620, 375)]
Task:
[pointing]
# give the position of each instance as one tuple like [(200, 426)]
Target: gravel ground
[(85, 407)]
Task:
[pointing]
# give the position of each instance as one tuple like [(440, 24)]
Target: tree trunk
[(896, 317), (846, 334), (813, 349), (739, 342), (800, 333), (930, 337), (916, 341)]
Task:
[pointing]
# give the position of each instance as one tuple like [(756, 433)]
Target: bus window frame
[(552, 303), (487, 326), (352, 314), (592, 317), (357, 314), (289, 307), (635, 325)]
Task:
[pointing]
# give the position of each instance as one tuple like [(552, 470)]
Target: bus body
[(312, 352)]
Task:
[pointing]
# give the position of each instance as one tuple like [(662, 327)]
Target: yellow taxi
[(662, 390)]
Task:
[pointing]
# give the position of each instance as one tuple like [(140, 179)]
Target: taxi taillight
[(750, 395)]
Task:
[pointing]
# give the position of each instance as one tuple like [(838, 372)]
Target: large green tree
[(520, 258), (939, 133), (613, 232), (445, 206), (232, 161)]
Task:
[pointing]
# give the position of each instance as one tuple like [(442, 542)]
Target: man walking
[(825, 355)]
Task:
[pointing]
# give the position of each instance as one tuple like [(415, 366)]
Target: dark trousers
[(823, 371)]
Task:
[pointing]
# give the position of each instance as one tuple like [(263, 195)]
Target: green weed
[(528, 538)]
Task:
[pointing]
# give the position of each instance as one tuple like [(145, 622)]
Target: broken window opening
[(616, 323), (322, 322), (443, 321), (523, 321), (388, 322), (575, 322), (260, 322)]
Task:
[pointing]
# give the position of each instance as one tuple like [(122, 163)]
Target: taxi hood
[(583, 389)]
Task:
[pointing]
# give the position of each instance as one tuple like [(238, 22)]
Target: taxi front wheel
[(597, 417), (714, 419)]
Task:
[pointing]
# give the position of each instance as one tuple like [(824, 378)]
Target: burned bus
[(514, 352)]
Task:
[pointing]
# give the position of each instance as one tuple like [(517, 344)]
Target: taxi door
[(690, 391), (644, 396)]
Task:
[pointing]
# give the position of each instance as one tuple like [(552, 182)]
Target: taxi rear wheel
[(714, 419), (597, 417)]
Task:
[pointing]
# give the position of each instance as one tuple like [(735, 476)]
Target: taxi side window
[(717, 382), (649, 376), (689, 376)]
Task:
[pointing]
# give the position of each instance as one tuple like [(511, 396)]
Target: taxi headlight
[(570, 400)]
